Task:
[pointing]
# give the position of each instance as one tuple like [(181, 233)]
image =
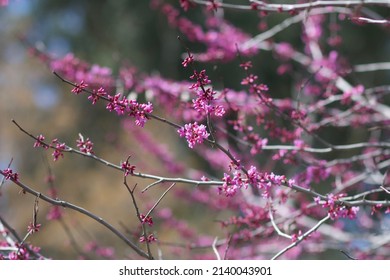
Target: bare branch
[(83, 211), (301, 238)]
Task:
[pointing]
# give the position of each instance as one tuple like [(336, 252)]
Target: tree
[(287, 163)]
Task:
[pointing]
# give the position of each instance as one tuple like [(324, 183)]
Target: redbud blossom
[(194, 133), (79, 87), (10, 175), (335, 209), (85, 146), (188, 60), (96, 95), (148, 239), (39, 142), (58, 149), (148, 220), (32, 228), (128, 168)]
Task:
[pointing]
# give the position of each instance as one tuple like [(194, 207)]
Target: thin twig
[(228, 242), (301, 238), (138, 213), (347, 255), (81, 210), (161, 179), (275, 226), (159, 200)]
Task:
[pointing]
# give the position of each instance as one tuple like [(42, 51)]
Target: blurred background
[(110, 34), (107, 33)]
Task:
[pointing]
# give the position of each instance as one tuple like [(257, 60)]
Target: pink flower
[(148, 220), (246, 65), (194, 133), (96, 95), (188, 60), (249, 80), (21, 254), (40, 142), (206, 96), (10, 175), (337, 210), (150, 238), (295, 236), (127, 167), (32, 228), (230, 185), (79, 87), (201, 79), (85, 146), (132, 108), (376, 208), (58, 149)]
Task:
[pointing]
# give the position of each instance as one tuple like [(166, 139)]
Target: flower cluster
[(10, 175), (85, 146), (21, 254), (40, 142), (32, 228), (194, 133), (188, 60), (259, 180), (206, 95), (122, 105), (127, 167), (336, 209), (118, 102), (264, 180), (256, 88), (97, 94), (59, 148), (295, 236), (149, 239), (146, 220), (79, 88), (231, 184)]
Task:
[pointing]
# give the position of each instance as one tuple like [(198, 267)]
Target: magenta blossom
[(194, 133)]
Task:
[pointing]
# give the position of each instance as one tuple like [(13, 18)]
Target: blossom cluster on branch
[(286, 187)]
